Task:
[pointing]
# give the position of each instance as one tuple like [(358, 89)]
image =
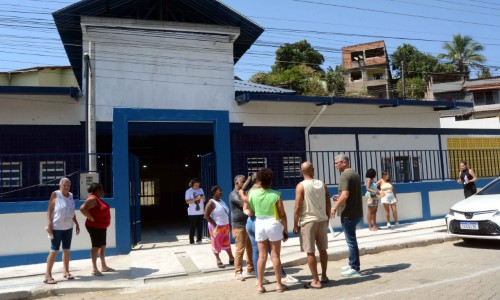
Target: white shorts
[(268, 228), (389, 198)]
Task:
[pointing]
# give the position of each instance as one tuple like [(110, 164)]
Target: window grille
[(254, 164), (10, 174), (52, 171), (291, 166), (150, 192)]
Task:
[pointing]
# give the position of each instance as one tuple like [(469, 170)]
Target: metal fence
[(33, 177), (402, 165)]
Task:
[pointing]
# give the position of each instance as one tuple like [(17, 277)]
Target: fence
[(403, 165), (33, 177)]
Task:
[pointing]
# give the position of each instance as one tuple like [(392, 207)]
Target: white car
[(477, 217)]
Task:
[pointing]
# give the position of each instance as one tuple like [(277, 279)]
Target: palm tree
[(463, 52)]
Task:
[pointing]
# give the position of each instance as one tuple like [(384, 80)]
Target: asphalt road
[(452, 270)]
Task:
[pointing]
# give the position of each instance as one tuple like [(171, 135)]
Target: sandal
[(261, 291), (220, 265), (324, 279), (108, 269), (69, 276), (97, 273), (50, 281), (310, 286), (282, 289)]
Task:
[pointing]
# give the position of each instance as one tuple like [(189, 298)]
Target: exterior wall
[(338, 115), (39, 110), (489, 123), (175, 70)]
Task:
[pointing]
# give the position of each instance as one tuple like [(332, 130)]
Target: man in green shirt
[(350, 195)]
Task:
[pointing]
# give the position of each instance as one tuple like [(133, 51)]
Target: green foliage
[(463, 53), (484, 72), (297, 67), (416, 63), (301, 52), (335, 80), (415, 88)]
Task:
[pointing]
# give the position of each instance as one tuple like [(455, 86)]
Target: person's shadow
[(385, 269), (131, 273)]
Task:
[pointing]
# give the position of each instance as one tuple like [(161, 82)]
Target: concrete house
[(167, 108), (367, 70)]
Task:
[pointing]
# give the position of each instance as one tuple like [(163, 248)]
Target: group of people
[(380, 191), (60, 219), (259, 222)]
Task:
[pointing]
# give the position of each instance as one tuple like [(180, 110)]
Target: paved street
[(451, 270)]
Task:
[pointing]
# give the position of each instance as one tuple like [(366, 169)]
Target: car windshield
[(492, 189)]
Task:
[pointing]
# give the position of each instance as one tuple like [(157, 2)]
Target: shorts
[(63, 236), (268, 228), (314, 233), (97, 236), (389, 198)]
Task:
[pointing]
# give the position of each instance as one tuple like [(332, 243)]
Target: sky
[(28, 36)]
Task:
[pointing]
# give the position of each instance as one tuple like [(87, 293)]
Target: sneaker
[(388, 225), (396, 224), (199, 242), (345, 268), (239, 277), (350, 273), (290, 279), (192, 244), (264, 281)]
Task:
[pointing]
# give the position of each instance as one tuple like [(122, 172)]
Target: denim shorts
[(63, 236)]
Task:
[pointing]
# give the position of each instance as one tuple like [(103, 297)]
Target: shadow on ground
[(476, 244)]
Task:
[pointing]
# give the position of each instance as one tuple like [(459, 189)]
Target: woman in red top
[(98, 220)]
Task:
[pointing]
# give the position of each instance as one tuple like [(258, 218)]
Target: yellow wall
[(481, 154), (48, 77)]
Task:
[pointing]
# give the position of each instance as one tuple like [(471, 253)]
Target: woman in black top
[(468, 178)]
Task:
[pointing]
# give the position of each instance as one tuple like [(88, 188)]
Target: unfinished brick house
[(367, 70)]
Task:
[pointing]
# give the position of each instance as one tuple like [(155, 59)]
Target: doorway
[(123, 137)]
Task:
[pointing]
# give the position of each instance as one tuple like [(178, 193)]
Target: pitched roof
[(214, 12), (446, 87), (241, 86)]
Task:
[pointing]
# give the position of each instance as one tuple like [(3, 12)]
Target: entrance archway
[(120, 142)]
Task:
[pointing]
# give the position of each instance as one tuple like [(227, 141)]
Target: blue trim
[(74, 92), (121, 117), (248, 97), (34, 258), (406, 131)]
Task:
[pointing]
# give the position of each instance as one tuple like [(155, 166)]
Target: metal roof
[(321, 100), (480, 82), (214, 12), (241, 86)]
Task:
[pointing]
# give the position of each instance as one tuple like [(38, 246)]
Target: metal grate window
[(254, 164), (10, 174), (150, 192), (52, 171), (291, 166)]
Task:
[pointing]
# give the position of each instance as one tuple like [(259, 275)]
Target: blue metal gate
[(208, 179), (135, 199)]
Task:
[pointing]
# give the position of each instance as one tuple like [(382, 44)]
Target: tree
[(297, 67), (463, 53), (297, 53), (484, 72), (416, 63), (335, 80)]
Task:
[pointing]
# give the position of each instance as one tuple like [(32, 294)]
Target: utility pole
[(90, 120), (403, 78)]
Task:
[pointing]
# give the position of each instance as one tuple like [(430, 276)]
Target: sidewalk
[(163, 261)]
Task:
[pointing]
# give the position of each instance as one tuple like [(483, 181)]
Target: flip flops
[(220, 265), (282, 289), (69, 276), (261, 291), (97, 273), (50, 281), (310, 286), (325, 280), (108, 269)]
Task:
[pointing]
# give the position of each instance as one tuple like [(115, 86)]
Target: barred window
[(52, 171), (10, 174), (150, 192), (291, 166), (254, 164)]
